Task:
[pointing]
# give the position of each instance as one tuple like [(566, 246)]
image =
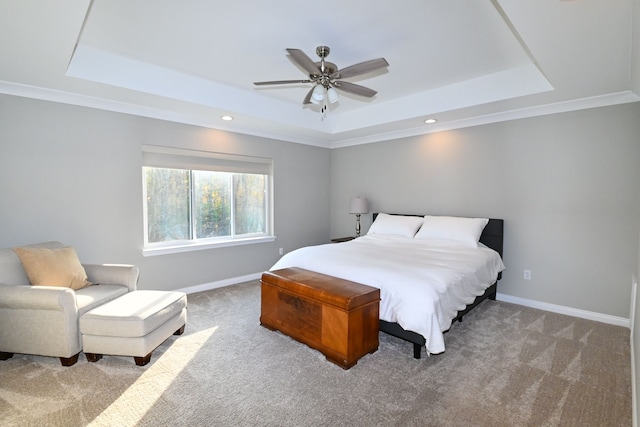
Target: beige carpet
[(505, 365)]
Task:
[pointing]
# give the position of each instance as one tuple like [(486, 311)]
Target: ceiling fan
[(326, 76)]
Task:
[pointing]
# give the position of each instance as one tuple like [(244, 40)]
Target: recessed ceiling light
[(430, 121), (227, 118)]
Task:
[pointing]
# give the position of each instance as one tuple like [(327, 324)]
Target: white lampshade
[(332, 95), (359, 205), (318, 94)]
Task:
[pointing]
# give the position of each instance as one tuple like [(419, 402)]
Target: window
[(195, 199)]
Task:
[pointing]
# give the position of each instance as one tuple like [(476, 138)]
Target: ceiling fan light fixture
[(332, 95), (318, 94)]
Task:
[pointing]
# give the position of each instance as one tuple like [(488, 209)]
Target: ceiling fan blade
[(360, 68), (354, 89), (281, 82), (304, 61), (307, 99)]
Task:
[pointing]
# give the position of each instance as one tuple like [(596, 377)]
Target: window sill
[(198, 246)]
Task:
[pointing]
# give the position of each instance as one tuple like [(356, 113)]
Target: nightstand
[(342, 239)]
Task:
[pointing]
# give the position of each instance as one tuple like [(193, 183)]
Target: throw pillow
[(53, 267)]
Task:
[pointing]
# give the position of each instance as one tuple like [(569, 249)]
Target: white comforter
[(423, 283)]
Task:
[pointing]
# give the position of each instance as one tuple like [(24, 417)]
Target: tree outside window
[(202, 204)]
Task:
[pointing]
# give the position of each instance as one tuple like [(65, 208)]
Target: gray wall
[(74, 174), (567, 186)]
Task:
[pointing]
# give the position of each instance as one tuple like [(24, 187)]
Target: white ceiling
[(463, 62)]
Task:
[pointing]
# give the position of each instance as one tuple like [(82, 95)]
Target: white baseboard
[(220, 283), (569, 311), (591, 315)]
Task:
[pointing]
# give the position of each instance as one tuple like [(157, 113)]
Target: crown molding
[(53, 95)]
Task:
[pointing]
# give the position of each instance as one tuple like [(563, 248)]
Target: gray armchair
[(43, 320)]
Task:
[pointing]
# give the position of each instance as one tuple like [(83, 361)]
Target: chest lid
[(327, 289)]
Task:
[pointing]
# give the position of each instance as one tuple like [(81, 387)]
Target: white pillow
[(396, 224), (457, 229)]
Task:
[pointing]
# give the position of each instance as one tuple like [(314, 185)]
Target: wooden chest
[(337, 317)]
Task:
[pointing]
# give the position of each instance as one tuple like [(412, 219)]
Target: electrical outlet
[(527, 275), (281, 251)]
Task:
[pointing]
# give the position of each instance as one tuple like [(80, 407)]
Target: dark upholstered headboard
[(492, 235)]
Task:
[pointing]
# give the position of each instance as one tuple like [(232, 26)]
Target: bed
[(431, 270)]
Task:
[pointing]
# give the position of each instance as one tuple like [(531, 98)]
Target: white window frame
[(177, 158)]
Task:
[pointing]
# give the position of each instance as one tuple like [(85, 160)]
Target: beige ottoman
[(133, 324)]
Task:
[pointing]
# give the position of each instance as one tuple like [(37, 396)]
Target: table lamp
[(359, 206)]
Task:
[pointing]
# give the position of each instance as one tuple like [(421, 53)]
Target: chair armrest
[(113, 274), (38, 298)]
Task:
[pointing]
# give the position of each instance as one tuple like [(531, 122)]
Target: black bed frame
[(492, 236)]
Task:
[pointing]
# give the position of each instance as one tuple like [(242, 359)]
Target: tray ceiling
[(462, 63)]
